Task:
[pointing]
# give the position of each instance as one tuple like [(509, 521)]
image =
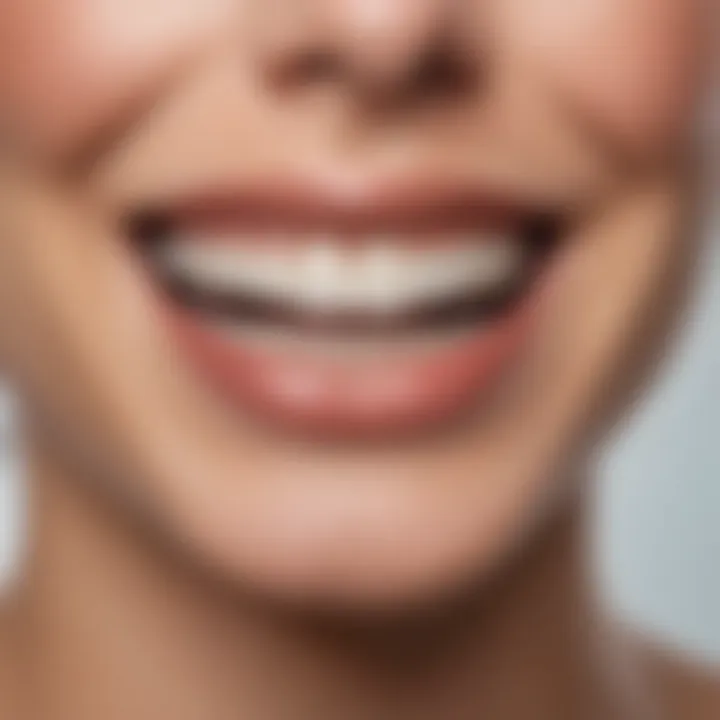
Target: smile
[(377, 315)]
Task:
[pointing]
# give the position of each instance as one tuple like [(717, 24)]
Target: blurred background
[(659, 491)]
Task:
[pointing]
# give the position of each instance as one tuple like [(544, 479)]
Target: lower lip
[(319, 395)]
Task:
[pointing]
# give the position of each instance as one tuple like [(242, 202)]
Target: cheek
[(66, 65), (630, 65)]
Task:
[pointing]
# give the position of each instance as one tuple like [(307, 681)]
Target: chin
[(348, 543)]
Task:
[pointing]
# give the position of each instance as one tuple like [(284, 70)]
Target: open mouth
[(355, 318)]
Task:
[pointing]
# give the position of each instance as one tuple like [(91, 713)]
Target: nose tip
[(382, 47), (388, 40)]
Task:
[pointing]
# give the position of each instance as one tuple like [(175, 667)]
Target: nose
[(379, 49)]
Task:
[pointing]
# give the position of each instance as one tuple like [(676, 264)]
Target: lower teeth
[(351, 348)]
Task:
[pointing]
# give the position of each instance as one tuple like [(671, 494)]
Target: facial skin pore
[(138, 466)]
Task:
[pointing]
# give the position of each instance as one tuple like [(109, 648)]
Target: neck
[(111, 626)]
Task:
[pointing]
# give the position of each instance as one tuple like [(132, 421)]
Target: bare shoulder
[(690, 689)]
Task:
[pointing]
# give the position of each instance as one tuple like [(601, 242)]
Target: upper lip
[(346, 208)]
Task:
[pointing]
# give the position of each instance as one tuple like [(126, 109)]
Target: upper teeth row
[(381, 276)]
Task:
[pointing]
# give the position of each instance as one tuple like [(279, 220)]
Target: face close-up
[(334, 296)]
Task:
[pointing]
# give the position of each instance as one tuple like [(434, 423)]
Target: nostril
[(309, 67), (443, 73), (436, 75)]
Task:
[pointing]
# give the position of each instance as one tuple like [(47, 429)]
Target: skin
[(173, 540)]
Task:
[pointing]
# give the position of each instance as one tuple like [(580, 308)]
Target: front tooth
[(382, 278), (375, 278), (320, 276)]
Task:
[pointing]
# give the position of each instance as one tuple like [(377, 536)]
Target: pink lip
[(313, 394), (317, 396)]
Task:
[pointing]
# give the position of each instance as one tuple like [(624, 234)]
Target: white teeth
[(321, 277), (381, 275), (300, 343)]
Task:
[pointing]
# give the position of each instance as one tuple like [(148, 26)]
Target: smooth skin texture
[(184, 562)]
